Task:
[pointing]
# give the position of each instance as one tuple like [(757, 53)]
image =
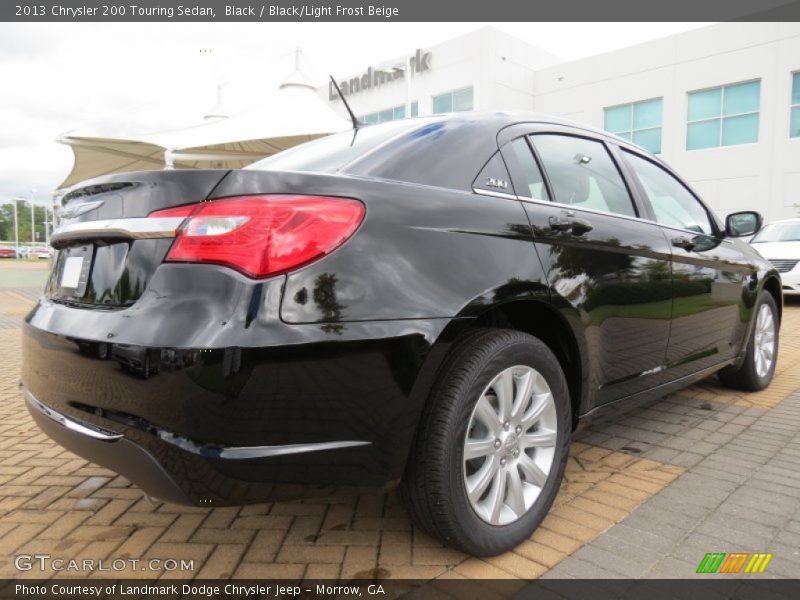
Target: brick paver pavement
[(54, 502), (742, 497)]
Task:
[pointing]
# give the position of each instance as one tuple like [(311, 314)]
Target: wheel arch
[(772, 285), (541, 320), (532, 315)]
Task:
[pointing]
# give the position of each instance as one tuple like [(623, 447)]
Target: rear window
[(331, 153)]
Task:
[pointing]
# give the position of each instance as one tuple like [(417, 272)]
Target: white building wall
[(508, 73), (764, 175), (500, 68)]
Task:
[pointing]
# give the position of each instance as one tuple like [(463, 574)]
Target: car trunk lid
[(107, 247)]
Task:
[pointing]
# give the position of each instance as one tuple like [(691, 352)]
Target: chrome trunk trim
[(134, 228)]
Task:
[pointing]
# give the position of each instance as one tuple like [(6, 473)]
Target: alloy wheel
[(764, 340), (510, 445)]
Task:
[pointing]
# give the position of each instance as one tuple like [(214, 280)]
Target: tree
[(24, 216)]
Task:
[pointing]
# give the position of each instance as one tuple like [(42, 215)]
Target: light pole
[(33, 218), (408, 87), (16, 229), (53, 208)]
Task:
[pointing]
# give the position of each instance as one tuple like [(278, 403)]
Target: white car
[(779, 243), (40, 252)]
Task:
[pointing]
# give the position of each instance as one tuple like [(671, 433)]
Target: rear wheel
[(492, 445), (758, 367)]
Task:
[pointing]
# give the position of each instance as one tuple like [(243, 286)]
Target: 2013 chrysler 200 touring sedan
[(435, 303)]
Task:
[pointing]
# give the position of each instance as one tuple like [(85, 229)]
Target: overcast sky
[(59, 77)]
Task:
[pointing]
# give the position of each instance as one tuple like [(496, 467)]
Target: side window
[(581, 172), (525, 173), (673, 204)]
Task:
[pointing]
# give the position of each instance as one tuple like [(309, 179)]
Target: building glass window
[(638, 122), (390, 114), (456, 101), (415, 109), (443, 103), (723, 116), (386, 115), (794, 127)]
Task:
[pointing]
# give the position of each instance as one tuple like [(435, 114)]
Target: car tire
[(754, 373), (485, 367)]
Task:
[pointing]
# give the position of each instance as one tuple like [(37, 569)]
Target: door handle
[(560, 224), (683, 242), (575, 226), (580, 226)]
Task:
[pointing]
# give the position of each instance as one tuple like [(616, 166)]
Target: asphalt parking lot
[(648, 495)]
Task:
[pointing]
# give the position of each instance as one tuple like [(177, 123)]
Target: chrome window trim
[(692, 233), (593, 211), (133, 228), (495, 194), (589, 210)]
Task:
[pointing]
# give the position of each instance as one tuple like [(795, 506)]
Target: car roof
[(449, 150), (501, 119)]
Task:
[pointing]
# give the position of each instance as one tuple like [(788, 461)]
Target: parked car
[(142, 361), (779, 243), (435, 302), (40, 252), (7, 252)]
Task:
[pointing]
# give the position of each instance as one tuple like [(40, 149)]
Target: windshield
[(778, 232), (331, 153)]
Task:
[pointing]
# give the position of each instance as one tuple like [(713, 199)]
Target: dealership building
[(720, 104)]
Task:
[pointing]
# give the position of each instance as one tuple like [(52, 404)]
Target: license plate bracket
[(75, 264)]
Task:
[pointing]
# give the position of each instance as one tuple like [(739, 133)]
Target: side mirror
[(740, 224)]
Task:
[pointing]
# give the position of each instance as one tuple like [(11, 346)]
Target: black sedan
[(434, 303)]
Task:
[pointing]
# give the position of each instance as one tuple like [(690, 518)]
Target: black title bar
[(397, 10), (394, 589)]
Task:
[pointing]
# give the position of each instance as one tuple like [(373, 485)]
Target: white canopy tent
[(139, 140)]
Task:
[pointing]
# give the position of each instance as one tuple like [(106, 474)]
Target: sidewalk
[(742, 496)]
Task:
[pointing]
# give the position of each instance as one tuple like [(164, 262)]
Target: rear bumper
[(108, 449), (235, 425), (179, 477)]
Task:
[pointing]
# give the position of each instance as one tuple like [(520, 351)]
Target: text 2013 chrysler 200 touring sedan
[(435, 303)]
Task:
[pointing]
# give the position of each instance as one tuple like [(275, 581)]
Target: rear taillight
[(263, 235)]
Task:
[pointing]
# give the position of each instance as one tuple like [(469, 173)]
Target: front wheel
[(758, 367), (492, 444)]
